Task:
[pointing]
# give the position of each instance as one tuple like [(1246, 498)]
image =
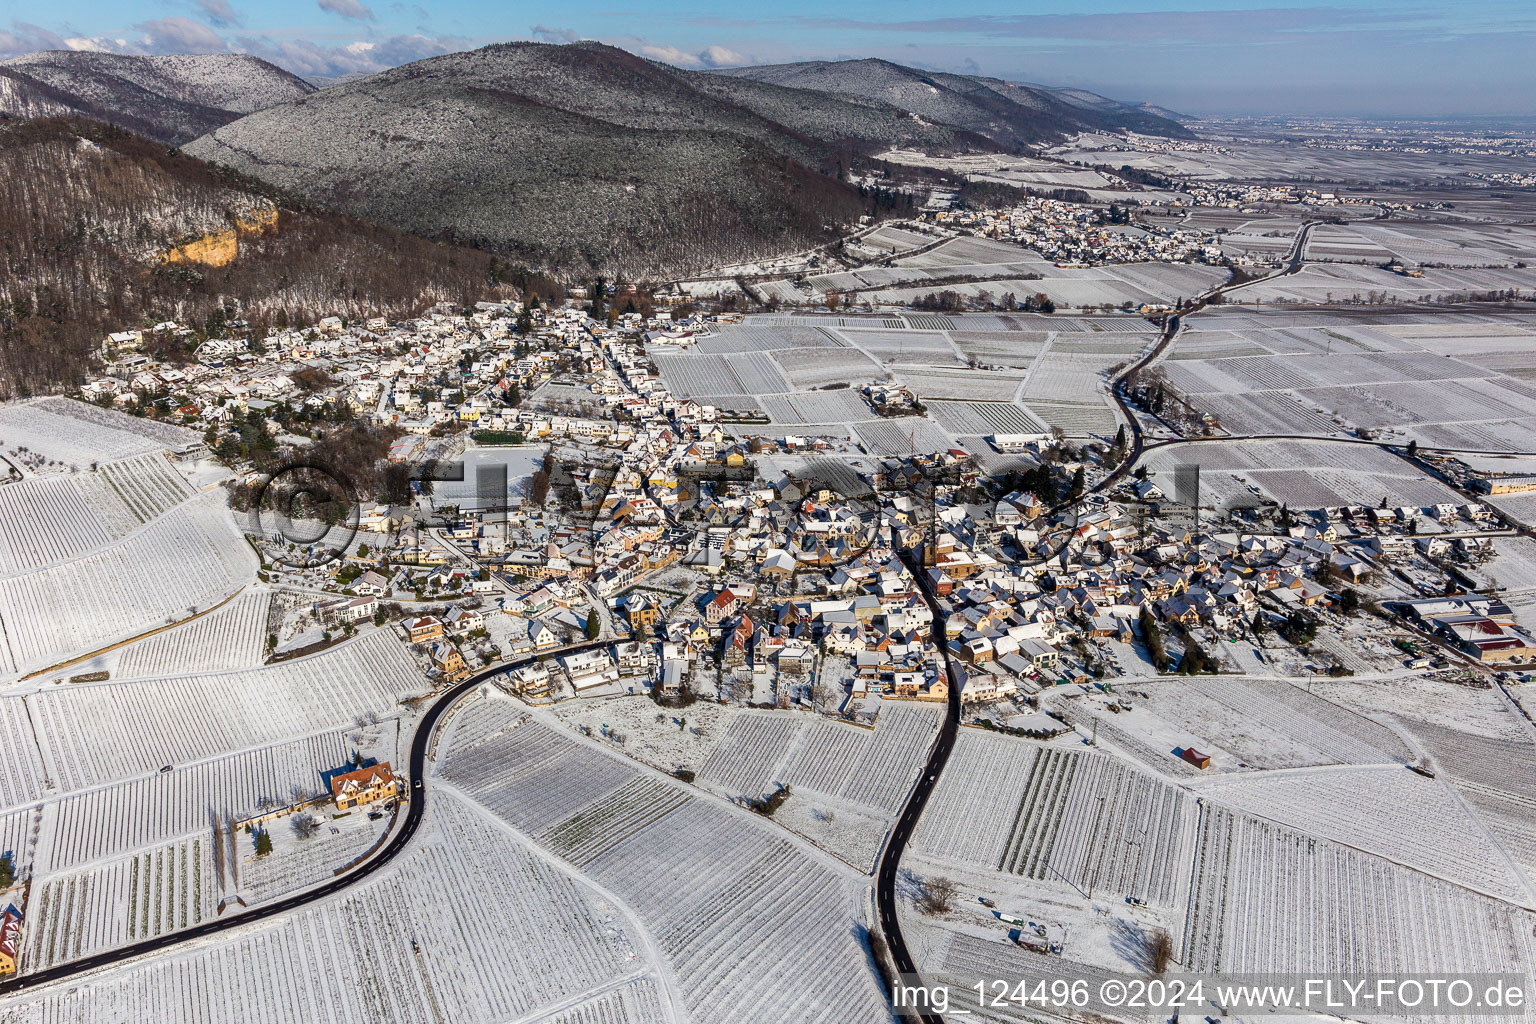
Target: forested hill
[(105, 230), (172, 98)]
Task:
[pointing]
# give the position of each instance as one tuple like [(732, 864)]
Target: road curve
[(415, 808)]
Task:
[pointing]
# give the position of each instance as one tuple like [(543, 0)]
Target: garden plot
[(54, 434), (192, 557), (901, 436), (1387, 811), (968, 385), (683, 740), (96, 910), (853, 836), (983, 418), (296, 863), (1270, 899), (905, 346), (841, 406), (153, 810), (815, 367), (1263, 724), (93, 733), (46, 520), (1098, 823), (970, 817), (234, 636)]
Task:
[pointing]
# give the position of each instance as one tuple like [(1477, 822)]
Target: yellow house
[(10, 938), (363, 786)]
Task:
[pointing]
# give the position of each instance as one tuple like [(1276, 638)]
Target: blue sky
[(1338, 57)]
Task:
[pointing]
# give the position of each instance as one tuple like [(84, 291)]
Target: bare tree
[(305, 825), (1160, 950), (937, 895)]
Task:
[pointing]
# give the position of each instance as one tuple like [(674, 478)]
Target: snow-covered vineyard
[(120, 795), (755, 927), (189, 718), (501, 933), (187, 560)]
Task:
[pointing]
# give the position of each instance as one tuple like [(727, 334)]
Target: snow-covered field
[(1385, 810), (93, 733), (1353, 282), (1276, 373), (1300, 474), (106, 822), (501, 933), (55, 434), (188, 559), (692, 870), (234, 636), (1272, 899)]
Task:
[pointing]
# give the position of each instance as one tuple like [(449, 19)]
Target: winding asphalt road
[(887, 870), (415, 808)]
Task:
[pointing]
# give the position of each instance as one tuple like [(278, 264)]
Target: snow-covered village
[(585, 531)]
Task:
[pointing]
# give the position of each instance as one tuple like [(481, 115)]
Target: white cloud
[(352, 9), (26, 38), (218, 12), (720, 57), (709, 57), (303, 57), (546, 34), (180, 35)]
